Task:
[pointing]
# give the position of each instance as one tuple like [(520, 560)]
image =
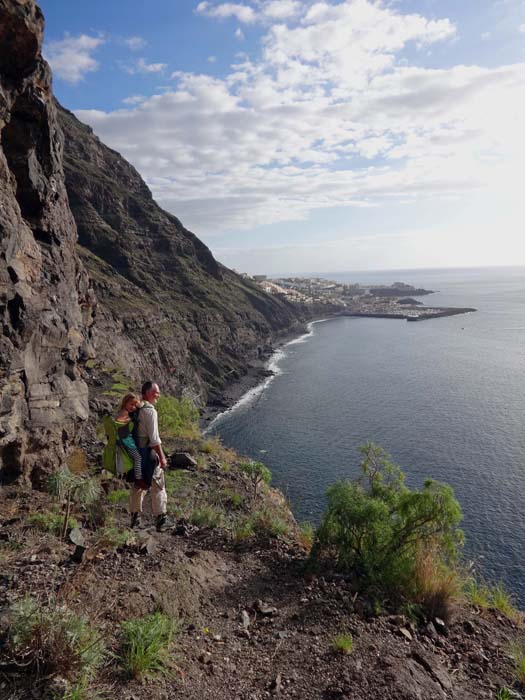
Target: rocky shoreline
[(257, 372)]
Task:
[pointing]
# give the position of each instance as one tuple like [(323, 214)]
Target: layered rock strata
[(46, 303)]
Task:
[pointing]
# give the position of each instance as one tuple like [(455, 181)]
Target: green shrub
[(206, 516), (119, 496), (73, 488), (231, 498), (343, 643), (376, 526), (10, 547), (112, 538), (264, 523), (211, 446), (223, 456), (177, 417), (53, 640), (243, 530), (147, 644), (50, 522), (267, 523), (257, 473)]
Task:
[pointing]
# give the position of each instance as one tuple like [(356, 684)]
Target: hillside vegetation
[(234, 601)]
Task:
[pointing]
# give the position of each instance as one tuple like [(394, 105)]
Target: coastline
[(258, 375), (260, 372)]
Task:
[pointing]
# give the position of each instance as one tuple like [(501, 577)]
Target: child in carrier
[(124, 423)]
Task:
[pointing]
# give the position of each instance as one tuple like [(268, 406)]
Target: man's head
[(150, 392)]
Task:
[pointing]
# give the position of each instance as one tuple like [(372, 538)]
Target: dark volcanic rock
[(45, 300), (410, 302), (168, 309)]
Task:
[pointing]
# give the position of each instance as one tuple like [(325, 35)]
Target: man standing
[(154, 461)]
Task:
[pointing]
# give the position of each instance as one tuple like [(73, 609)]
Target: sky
[(298, 136)]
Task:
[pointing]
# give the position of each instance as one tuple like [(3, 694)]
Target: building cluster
[(351, 298), (310, 290)]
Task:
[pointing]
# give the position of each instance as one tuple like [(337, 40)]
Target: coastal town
[(377, 301)]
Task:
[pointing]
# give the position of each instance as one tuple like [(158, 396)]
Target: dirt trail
[(254, 625)]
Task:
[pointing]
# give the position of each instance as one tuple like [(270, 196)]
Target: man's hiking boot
[(136, 522), (162, 522)]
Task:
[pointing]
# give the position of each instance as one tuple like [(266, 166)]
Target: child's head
[(130, 403)]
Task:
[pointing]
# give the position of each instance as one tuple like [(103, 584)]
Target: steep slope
[(167, 308), (45, 300)]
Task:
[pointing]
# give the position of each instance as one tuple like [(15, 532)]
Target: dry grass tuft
[(437, 585)]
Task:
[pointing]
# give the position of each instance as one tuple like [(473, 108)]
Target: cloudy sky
[(299, 136)]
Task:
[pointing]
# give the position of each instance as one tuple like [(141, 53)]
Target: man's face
[(153, 394)]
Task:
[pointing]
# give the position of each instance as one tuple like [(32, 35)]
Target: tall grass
[(53, 640), (518, 656), (147, 645), (435, 585), (485, 596)]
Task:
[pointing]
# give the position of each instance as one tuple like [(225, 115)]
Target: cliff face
[(167, 309), (45, 299)]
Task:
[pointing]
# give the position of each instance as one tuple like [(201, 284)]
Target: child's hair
[(127, 398)]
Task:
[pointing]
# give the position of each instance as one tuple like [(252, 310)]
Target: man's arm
[(151, 424), (162, 457)]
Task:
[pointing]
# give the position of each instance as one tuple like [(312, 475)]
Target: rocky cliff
[(46, 302), (166, 308), (176, 313)]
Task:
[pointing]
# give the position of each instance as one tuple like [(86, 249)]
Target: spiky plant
[(73, 488)]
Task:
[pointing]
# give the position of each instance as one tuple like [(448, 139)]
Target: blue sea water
[(445, 397)]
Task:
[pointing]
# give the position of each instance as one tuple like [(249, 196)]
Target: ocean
[(445, 397)]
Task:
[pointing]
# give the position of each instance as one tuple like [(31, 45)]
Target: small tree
[(376, 527), (258, 474), (177, 417), (72, 488)]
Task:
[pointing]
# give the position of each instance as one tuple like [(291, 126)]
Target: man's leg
[(159, 497), (136, 498)]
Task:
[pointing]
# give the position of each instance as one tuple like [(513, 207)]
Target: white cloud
[(334, 114), (239, 34), (281, 9), (134, 99), (142, 66), (135, 43), (243, 13), (212, 59), (486, 35), (521, 28), (263, 11), (70, 58)]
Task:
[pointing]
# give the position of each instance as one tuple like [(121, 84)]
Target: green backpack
[(115, 458)]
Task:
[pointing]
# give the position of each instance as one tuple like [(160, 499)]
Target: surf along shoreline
[(260, 373)]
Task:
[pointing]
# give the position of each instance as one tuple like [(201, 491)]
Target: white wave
[(273, 365)]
